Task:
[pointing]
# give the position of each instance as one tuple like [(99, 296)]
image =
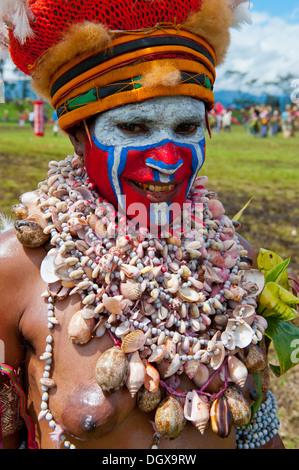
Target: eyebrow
[(147, 120)]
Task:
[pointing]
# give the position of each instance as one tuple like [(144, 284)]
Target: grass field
[(239, 166)]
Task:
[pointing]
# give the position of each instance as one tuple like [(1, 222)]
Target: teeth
[(155, 188)]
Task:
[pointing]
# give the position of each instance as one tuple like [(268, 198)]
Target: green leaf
[(268, 261), (275, 274), (258, 383), (238, 216), (285, 338), (277, 301)]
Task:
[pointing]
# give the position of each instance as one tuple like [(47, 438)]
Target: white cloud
[(263, 52)]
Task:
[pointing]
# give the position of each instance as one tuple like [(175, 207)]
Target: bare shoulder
[(18, 267), (16, 260)]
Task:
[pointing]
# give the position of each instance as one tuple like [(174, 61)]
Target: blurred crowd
[(264, 121), (259, 120)]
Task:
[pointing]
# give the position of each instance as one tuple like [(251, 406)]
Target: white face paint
[(149, 151), (159, 119)]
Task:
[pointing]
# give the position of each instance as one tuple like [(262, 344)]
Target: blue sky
[(276, 7), (263, 52)]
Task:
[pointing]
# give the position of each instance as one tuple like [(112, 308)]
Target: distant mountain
[(240, 99)]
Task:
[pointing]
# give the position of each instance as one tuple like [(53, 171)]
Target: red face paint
[(148, 175)]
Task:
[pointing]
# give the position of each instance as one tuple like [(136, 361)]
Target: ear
[(77, 136)]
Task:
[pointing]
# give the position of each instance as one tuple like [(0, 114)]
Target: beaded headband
[(88, 56)]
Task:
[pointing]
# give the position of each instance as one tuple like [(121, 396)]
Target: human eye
[(186, 128), (132, 128)]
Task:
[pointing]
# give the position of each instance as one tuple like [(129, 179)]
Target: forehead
[(160, 110)]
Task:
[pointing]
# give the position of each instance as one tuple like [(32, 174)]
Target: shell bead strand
[(172, 299)]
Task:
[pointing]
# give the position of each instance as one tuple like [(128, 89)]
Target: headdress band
[(92, 84)]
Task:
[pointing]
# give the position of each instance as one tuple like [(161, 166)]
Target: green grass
[(241, 166), (24, 159), (238, 165)]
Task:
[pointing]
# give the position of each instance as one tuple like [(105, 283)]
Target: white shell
[(197, 410), (255, 276), (245, 312), (173, 367), (237, 371), (240, 331), (47, 269), (136, 374), (189, 294), (129, 270)]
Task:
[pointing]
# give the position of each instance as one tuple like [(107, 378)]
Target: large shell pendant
[(237, 371), (197, 410), (220, 417), (111, 370), (136, 374), (238, 405), (169, 418), (253, 358)]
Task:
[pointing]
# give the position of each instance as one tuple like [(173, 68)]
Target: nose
[(166, 159)]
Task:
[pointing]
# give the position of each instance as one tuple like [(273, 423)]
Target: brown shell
[(148, 401), (133, 341), (29, 233), (253, 358), (239, 406), (220, 417), (111, 370), (169, 418), (20, 211)]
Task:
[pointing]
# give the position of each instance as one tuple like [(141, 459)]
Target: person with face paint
[(119, 336)]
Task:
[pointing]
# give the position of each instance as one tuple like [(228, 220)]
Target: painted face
[(149, 152)]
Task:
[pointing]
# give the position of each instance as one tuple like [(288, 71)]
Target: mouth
[(155, 188), (155, 192)]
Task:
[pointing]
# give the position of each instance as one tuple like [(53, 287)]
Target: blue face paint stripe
[(196, 166), (164, 166), (110, 163), (156, 175), (123, 160)]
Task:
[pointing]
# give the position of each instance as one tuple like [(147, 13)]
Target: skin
[(89, 417)]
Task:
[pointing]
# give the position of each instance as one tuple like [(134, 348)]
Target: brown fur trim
[(166, 74), (82, 38), (212, 23)]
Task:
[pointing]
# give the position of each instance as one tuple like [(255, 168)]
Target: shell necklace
[(171, 304)]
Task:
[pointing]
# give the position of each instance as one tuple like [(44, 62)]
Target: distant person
[(55, 123), (21, 119), (31, 118), (275, 122), (6, 115), (254, 126), (227, 121)]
